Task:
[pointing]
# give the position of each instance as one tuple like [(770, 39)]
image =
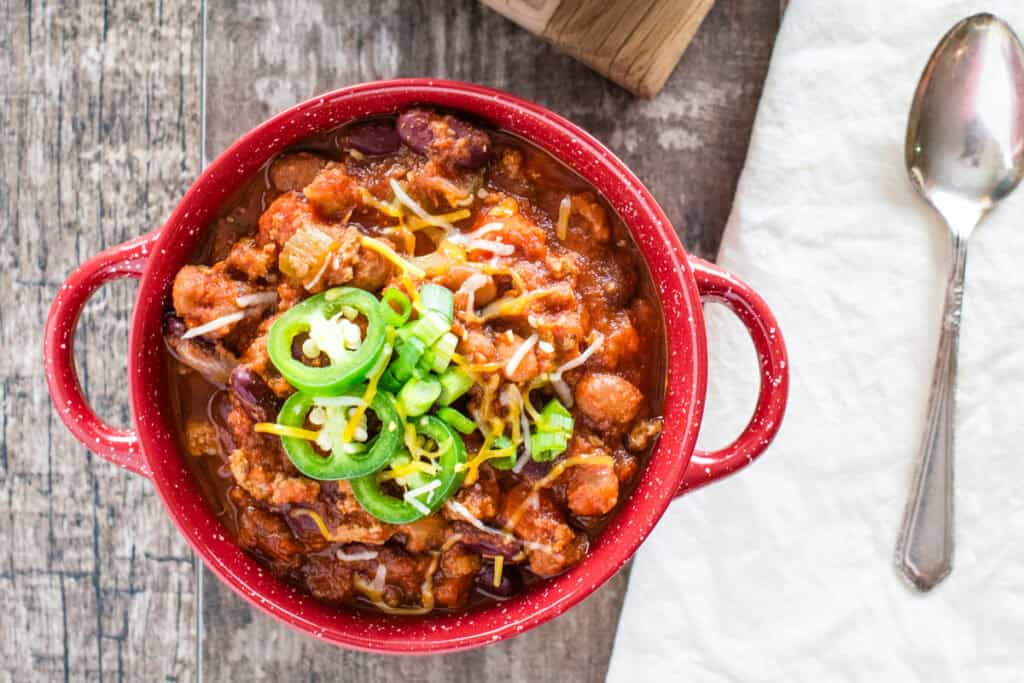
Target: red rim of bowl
[(434, 633)]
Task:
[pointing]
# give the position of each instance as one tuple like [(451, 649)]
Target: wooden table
[(109, 111)]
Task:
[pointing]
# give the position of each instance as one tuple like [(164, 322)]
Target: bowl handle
[(119, 446), (718, 285)]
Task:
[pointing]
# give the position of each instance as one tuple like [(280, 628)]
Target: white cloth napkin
[(785, 571)]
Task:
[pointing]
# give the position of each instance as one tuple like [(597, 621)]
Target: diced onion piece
[(496, 248), (361, 556), (564, 209), (257, 299), (214, 324), (320, 273), (520, 354), (412, 205)]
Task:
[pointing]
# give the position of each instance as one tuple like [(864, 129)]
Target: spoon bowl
[(964, 153), (965, 135)]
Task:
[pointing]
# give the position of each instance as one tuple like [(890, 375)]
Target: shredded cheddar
[(391, 255), (283, 430), (417, 223), (383, 207), (550, 478), (499, 565)]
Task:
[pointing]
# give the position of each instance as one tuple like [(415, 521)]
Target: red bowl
[(150, 448)]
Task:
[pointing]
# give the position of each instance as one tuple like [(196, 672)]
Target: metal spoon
[(964, 153)]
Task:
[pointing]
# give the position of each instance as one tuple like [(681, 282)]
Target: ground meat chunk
[(643, 433), (528, 367), (406, 573), (551, 544), (257, 473), (424, 534), (329, 578), (480, 500), (288, 214), (607, 400), (477, 347), (592, 489), (621, 341), (590, 217), (292, 172), (370, 271), (201, 295), (257, 359), (200, 438), (268, 534), (453, 581), (251, 261), (333, 192)]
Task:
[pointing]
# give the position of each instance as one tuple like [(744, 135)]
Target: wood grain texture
[(636, 43), (101, 136), (100, 129), (688, 145)]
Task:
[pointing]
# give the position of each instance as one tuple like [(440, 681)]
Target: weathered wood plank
[(688, 144), (100, 130)]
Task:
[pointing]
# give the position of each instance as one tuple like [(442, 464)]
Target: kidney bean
[(414, 129), (218, 410), (471, 147), (254, 395), (374, 138), (510, 584)]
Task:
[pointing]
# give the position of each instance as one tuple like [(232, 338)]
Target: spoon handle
[(925, 550)]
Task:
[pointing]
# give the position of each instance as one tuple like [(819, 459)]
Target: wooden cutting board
[(636, 43)]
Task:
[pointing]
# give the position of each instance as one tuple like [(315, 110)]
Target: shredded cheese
[(401, 471), (496, 248), (469, 287), (550, 478), (561, 387), (499, 565), (361, 556), (412, 205), (283, 430), (384, 208), (417, 223), (516, 358), (564, 209), (465, 237), (414, 494), (517, 305), (371, 391), (318, 520), (391, 255), (257, 299), (215, 324)]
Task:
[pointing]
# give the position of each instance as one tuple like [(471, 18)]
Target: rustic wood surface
[(102, 125), (636, 43)]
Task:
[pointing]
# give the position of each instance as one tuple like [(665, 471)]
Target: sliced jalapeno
[(392, 510), (345, 460), (323, 318)]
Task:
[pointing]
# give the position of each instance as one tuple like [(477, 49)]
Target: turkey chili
[(416, 364)]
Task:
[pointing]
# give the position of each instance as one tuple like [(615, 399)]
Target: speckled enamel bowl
[(151, 450)]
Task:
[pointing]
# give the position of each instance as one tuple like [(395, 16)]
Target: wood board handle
[(636, 43)]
